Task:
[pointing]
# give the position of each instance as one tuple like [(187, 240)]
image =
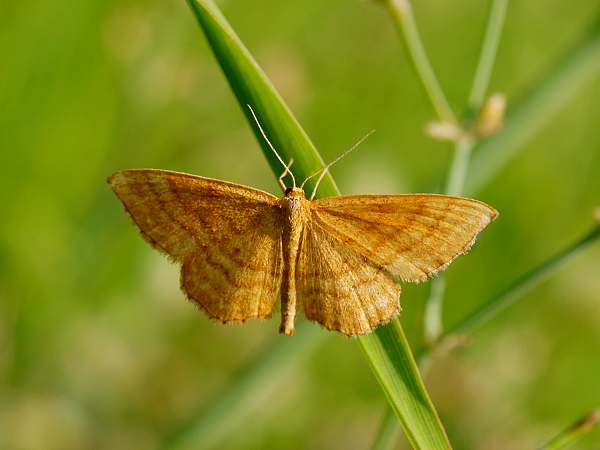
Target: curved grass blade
[(508, 296), (559, 87), (252, 87), (561, 84), (503, 300), (487, 58), (393, 363), (572, 434), (403, 18), (522, 285), (388, 432), (457, 175), (387, 349)]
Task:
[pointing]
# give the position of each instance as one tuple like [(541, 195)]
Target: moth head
[(294, 192)]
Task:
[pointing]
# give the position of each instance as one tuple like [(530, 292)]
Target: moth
[(335, 258)]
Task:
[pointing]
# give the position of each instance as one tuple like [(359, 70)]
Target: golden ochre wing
[(340, 288), (352, 247), (227, 236), (411, 236)]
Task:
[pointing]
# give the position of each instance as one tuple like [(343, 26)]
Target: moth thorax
[(293, 205)]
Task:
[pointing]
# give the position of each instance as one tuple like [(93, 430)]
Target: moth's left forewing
[(227, 237), (412, 236), (341, 289)]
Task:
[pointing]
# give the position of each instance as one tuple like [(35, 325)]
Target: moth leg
[(285, 172)]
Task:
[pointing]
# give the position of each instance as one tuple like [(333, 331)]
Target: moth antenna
[(285, 172), (315, 173), (264, 135), (325, 169)]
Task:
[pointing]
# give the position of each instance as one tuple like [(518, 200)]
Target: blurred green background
[(99, 349)]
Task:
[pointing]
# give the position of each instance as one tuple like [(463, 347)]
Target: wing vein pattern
[(227, 236), (411, 236), (340, 288)]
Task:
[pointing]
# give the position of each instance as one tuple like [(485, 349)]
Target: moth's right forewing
[(412, 236), (341, 289), (227, 236), (177, 212)]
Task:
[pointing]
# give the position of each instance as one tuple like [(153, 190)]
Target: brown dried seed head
[(444, 131), (491, 116)]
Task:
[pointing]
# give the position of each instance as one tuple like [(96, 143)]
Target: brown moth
[(336, 258)]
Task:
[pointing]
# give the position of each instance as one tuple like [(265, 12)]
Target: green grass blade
[(393, 363), (252, 87), (508, 296), (573, 433), (433, 325), (491, 41), (457, 175), (492, 154), (401, 13), (504, 299), (536, 110), (387, 349), (388, 432), (523, 284)]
